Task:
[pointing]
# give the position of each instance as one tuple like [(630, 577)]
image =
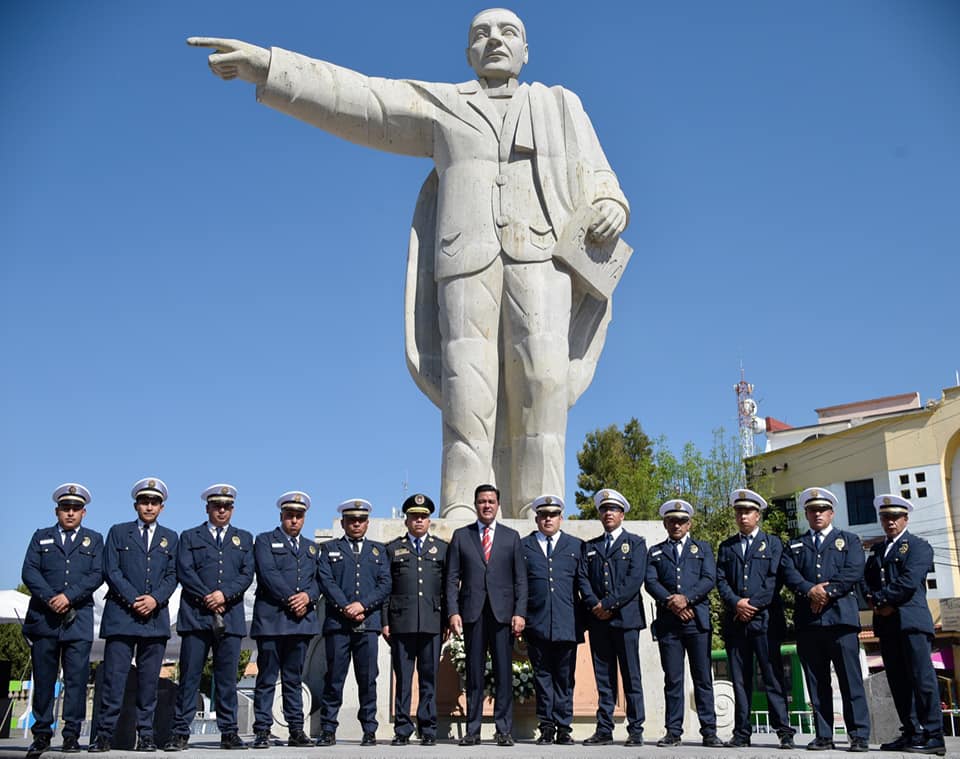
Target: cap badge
[(151, 483), (235, 540), (886, 501), (904, 547), (814, 493), (224, 491), (73, 490), (418, 499), (604, 494), (86, 541), (694, 548), (358, 504), (625, 548), (741, 495), (548, 501), (298, 498), (839, 543)]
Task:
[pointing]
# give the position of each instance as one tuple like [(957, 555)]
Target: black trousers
[(487, 633), (553, 671), (284, 656), (194, 647), (117, 654), (818, 647), (47, 656), (341, 647), (420, 650), (741, 652), (696, 646), (610, 648), (913, 682)]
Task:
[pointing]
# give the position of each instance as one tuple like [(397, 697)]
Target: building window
[(860, 502), (920, 477), (921, 492), (904, 479), (905, 493), (931, 583)]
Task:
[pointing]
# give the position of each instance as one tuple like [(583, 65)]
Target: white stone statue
[(514, 248)]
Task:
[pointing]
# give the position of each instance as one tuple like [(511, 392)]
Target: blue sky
[(196, 287)]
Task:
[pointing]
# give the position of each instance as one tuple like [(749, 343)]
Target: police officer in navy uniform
[(355, 580), (823, 567), (284, 618), (215, 567), (895, 577), (555, 581), (140, 567), (615, 564), (753, 625), (62, 568), (681, 572), (415, 619)]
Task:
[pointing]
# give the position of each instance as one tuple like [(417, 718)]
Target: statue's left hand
[(611, 220), (235, 58)]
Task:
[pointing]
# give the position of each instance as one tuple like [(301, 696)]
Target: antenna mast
[(748, 422)]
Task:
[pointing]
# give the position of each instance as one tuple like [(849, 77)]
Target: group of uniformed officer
[(489, 585)]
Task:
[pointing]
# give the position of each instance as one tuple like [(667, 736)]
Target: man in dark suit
[(823, 568), (215, 567), (355, 581), (415, 619), (615, 563), (284, 618), (140, 566), (487, 601), (896, 580), (62, 568), (681, 573), (748, 580), (555, 581)]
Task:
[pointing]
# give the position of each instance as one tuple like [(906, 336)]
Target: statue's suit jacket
[(471, 582), (499, 184)]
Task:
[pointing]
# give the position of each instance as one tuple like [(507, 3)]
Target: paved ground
[(201, 747)]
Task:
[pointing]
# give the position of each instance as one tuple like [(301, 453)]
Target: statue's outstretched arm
[(235, 59)]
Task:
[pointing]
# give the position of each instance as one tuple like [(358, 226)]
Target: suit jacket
[(344, 580), (840, 564), (76, 570), (615, 580), (756, 577), (281, 573), (416, 594), (203, 568), (694, 578), (130, 572), (471, 582), (554, 588), (899, 581)]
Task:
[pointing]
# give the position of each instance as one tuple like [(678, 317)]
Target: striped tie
[(486, 543)]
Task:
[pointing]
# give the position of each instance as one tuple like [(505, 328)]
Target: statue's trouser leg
[(469, 332), (536, 325)]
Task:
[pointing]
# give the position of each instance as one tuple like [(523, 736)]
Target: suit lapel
[(518, 105), (477, 99)]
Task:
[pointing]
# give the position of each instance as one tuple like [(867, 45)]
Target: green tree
[(13, 646)]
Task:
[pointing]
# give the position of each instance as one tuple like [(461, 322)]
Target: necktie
[(295, 544), (219, 537), (886, 548), (549, 546), (818, 541), (69, 535), (146, 538), (747, 542), (609, 544), (486, 544), (416, 544), (356, 547)]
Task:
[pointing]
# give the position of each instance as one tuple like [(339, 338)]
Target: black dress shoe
[(298, 739), (858, 745), (712, 741), (546, 738), (261, 739), (670, 739), (820, 744), (232, 742), (70, 745), (786, 741), (599, 739), (469, 740), (928, 745), (100, 746), (400, 740), (428, 740), (176, 743), (564, 739), (146, 744), (635, 739), (738, 741), (900, 744), (369, 739), (40, 744), (327, 739), (503, 739)]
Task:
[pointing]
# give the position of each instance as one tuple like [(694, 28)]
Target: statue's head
[(497, 45)]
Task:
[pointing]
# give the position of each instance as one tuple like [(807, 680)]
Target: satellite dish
[(758, 425), (749, 406)]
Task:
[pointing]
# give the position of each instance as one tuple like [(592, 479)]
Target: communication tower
[(749, 423)]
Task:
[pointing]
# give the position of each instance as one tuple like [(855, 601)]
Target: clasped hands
[(679, 604), (818, 597)]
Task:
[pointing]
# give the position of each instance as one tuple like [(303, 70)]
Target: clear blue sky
[(196, 287)]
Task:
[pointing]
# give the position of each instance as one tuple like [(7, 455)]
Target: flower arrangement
[(522, 669)]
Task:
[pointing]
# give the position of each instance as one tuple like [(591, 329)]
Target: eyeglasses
[(221, 506), (355, 519)]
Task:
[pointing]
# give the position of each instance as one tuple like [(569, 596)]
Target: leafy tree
[(13, 646)]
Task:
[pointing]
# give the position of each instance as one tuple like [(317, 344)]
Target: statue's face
[(497, 45)]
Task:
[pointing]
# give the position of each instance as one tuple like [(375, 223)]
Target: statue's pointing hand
[(235, 59), (611, 220)]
